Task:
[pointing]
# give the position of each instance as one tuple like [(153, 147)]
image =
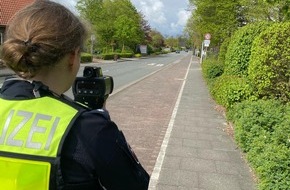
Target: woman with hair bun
[(48, 141)]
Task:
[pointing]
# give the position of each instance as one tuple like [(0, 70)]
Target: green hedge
[(211, 69), (223, 50), (110, 56), (86, 57), (252, 118), (269, 67), (228, 90), (126, 55), (239, 49), (262, 129)]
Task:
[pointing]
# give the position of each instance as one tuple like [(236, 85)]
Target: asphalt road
[(126, 73), (143, 99)]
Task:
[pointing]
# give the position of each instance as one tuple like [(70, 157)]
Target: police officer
[(46, 140)]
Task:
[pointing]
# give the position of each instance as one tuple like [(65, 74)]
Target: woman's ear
[(74, 57)]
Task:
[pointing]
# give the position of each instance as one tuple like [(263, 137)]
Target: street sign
[(207, 36), (143, 49), (206, 43)]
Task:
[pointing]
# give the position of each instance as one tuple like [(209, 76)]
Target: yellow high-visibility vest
[(32, 133)]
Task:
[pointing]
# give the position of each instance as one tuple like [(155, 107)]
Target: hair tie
[(31, 46), (27, 42)]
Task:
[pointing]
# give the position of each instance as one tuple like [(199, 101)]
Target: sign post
[(207, 36), (93, 38), (205, 44)]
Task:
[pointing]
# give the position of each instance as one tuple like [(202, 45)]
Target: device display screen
[(88, 85)]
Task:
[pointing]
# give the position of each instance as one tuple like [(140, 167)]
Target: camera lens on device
[(88, 72)]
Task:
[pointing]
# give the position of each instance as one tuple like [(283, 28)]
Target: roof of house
[(9, 7)]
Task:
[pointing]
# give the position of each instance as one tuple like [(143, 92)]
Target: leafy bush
[(223, 50), (228, 90), (239, 49), (150, 49), (109, 56), (211, 68), (126, 55), (252, 118), (272, 165), (86, 57), (282, 131), (138, 55), (269, 67), (262, 129)]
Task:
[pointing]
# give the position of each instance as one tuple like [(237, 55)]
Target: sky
[(166, 16)]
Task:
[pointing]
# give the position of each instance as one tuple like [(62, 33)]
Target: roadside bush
[(86, 57), (239, 48), (126, 55), (252, 118), (211, 68), (262, 129), (150, 49), (269, 66), (138, 55), (223, 50), (272, 165), (282, 132), (165, 52), (108, 56), (228, 90)]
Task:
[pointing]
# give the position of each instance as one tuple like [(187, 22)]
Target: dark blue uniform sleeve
[(116, 164)]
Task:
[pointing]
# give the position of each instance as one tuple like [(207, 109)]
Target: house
[(7, 9)]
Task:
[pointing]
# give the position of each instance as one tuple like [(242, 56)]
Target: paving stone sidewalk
[(198, 154)]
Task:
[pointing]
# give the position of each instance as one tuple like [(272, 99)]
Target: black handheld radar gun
[(93, 88)]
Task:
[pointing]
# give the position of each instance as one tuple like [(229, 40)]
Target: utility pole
[(93, 38)]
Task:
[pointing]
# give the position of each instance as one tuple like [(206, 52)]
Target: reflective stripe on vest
[(19, 174), (33, 127)]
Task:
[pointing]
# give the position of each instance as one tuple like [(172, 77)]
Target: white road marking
[(158, 165)]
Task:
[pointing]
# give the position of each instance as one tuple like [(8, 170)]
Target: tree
[(266, 10), (220, 18), (145, 27), (157, 39), (127, 32), (171, 42), (109, 20)]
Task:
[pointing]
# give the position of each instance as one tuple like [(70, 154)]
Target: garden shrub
[(86, 57), (281, 134), (239, 49), (211, 69), (228, 90), (126, 55), (272, 166), (108, 56), (223, 50), (138, 55), (269, 156), (269, 66), (150, 49), (262, 129), (252, 118)]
